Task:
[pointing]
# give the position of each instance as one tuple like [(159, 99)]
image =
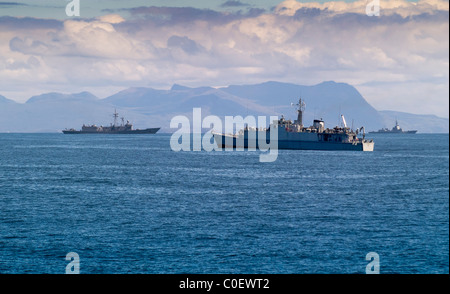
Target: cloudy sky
[(398, 60)]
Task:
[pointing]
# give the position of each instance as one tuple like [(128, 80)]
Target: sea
[(128, 204)]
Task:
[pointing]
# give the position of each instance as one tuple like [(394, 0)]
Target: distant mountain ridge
[(326, 101), (4, 100), (148, 107), (83, 96)]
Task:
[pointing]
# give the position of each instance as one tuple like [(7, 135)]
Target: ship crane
[(343, 121), (363, 130)]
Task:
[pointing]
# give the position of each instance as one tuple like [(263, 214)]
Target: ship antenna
[(340, 121)]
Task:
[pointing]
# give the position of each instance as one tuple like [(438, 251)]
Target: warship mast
[(115, 115), (301, 105)]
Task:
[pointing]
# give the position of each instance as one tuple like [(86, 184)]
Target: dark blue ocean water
[(128, 204)]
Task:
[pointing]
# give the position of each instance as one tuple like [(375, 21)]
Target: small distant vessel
[(293, 135), (395, 130), (114, 128)]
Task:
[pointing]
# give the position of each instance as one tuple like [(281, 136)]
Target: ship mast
[(115, 115), (301, 105)]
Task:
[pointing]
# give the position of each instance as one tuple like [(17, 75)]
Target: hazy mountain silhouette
[(325, 101), (147, 107), (4, 100)]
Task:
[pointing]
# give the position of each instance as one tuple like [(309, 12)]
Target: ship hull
[(233, 142), (127, 132), (390, 132)]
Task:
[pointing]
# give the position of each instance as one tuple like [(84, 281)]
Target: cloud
[(232, 3), (11, 4), (187, 45), (12, 64), (95, 38), (111, 18), (297, 42), (401, 7), (167, 15), (28, 23)]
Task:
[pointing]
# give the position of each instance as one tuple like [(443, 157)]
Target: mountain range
[(147, 107)]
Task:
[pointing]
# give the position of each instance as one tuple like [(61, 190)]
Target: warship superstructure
[(395, 130), (114, 128), (294, 135)]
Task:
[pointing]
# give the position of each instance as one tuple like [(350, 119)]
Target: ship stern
[(367, 145)]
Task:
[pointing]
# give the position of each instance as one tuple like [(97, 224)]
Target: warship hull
[(391, 132), (113, 129), (295, 136), (231, 141), (395, 130), (119, 132)]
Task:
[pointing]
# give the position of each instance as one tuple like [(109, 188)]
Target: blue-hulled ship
[(294, 135)]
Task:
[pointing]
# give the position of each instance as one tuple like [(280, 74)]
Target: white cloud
[(387, 7), (406, 46), (111, 18)]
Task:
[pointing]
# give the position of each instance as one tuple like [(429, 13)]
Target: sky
[(398, 60)]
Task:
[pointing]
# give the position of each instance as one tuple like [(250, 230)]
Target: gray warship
[(294, 135), (395, 130), (114, 128)]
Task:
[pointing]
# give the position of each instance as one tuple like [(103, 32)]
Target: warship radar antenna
[(301, 105)]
